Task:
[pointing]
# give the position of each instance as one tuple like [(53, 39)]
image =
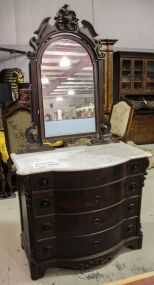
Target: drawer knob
[(131, 208), (96, 221), (47, 227), (130, 229), (133, 187), (97, 198), (98, 177), (135, 167), (96, 243), (48, 249), (45, 204), (43, 181)]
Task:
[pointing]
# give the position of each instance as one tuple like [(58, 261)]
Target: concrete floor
[(14, 266)]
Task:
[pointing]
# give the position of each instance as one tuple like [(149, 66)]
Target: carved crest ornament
[(65, 21)]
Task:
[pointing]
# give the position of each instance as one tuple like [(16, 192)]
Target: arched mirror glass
[(67, 89)]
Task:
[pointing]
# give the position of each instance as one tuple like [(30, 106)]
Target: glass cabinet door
[(126, 75), (132, 76), (150, 75), (138, 77)]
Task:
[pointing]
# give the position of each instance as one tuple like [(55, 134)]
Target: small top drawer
[(136, 166), (88, 178), (41, 181)]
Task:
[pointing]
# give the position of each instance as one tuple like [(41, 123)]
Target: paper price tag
[(45, 164)]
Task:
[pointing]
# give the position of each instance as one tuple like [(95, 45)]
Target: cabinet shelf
[(126, 70), (150, 79)]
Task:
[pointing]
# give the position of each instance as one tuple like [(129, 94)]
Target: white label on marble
[(45, 164)]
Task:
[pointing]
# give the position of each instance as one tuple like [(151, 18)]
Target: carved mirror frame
[(65, 27)]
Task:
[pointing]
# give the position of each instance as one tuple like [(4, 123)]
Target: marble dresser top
[(76, 158)]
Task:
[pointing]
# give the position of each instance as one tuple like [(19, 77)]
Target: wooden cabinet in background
[(133, 79), (142, 130), (133, 74)]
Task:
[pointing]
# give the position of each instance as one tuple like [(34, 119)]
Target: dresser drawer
[(96, 221), (43, 203), (45, 227), (41, 181), (95, 243), (88, 178), (75, 201), (46, 249)]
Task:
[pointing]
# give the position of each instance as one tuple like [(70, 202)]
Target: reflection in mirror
[(67, 89)]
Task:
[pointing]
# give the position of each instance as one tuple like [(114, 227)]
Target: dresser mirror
[(66, 73), (67, 89)]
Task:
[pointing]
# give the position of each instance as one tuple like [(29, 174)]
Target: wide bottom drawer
[(96, 243), (79, 246)]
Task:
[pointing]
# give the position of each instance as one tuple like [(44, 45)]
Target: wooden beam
[(10, 50)]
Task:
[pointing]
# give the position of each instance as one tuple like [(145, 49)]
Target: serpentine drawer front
[(64, 210)]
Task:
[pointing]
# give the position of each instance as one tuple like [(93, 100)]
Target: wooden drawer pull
[(45, 204), (130, 229), (48, 249), (131, 208), (133, 187), (97, 198), (46, 227), (98, 177), (43, 181), (97, 221), (96, 243), (135, 167)]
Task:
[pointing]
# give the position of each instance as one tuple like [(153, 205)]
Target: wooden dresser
[(80, 205)]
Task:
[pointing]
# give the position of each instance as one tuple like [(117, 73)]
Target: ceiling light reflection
[(59, 99), (45, 80), (71, 92), (64, 62)]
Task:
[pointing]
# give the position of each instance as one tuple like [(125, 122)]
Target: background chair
[(16, 119), (121, 120)]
